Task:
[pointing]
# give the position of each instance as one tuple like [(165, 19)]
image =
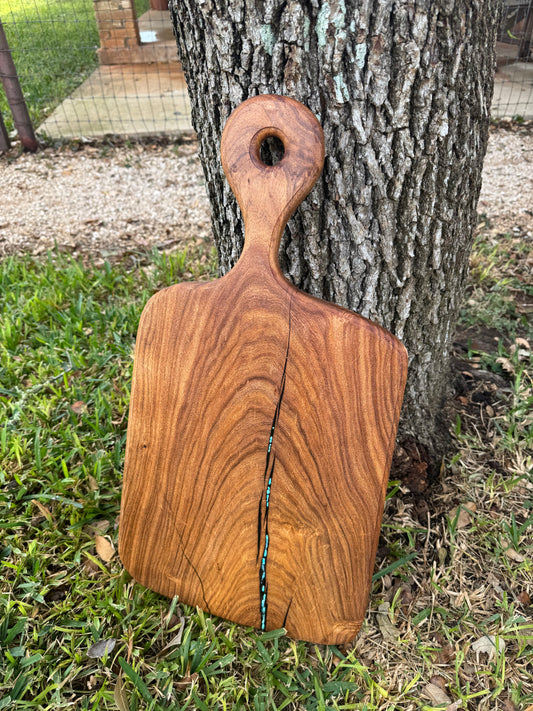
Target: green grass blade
[(138, 683)]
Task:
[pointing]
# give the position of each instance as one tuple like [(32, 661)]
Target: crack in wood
[(189, 561), (262, 521), (287, 613)]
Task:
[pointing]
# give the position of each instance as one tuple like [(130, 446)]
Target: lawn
[(54, 45), (449, 618)]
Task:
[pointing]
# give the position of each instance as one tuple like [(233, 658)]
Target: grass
[(141, 6), (54, 45), (500, 291), (450, 608)]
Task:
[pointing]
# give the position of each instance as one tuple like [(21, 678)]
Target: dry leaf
[(101, 648), (456, 705), (90, 568), (445, 654), (468, 670), (438, 681), (436, 694), (523, 598), (487, 645), (45, 511), (522, 353), (506, 365), (186, 681), (79, 407), (514, 555), (388, 631), (99, 526), (465, 514), (93, 484), (173, 621), (523, 342), (104, 548), (175, 641), (119, 695)]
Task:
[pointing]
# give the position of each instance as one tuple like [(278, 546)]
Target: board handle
[(268, 195)]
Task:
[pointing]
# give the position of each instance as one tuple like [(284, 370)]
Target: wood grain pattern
[(262, 420)]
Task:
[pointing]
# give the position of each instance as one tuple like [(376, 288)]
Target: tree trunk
[(403, 91)]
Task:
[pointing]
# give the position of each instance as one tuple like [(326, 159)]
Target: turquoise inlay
[(262, 521), (263, 585), (262, 574)]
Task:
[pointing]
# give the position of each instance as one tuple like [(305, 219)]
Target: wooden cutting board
[(262, 420)]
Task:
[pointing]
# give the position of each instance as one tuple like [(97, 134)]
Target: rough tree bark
[(402, 89)]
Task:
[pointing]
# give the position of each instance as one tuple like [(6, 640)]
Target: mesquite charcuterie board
[(262, 420)]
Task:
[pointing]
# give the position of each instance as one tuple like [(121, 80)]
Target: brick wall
[(120, 41), (118, 30)]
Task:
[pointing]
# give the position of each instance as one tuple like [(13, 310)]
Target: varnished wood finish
[(262, 420)]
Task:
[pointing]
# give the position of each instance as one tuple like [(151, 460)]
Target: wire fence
[(97, 67), (53, 46), (513, 84)]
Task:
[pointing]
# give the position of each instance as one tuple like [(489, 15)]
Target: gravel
[(507, 193), (102, 201)]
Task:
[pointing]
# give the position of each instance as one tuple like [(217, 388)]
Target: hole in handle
[(271, 150)]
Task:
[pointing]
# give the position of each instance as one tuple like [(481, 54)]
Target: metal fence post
[(525, 44), (15, 97), (4, 138)]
